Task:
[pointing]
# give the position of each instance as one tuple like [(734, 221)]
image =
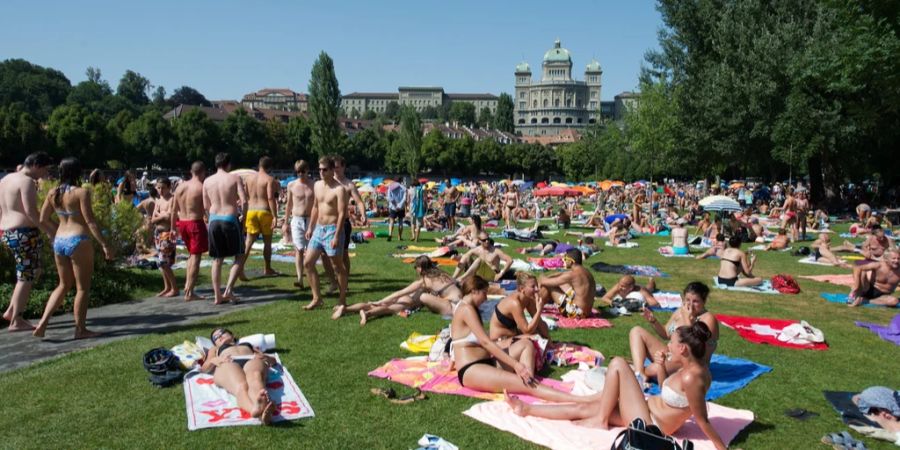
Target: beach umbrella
[(613, 217), (556, 191), (455, 181), (387, 181), (423, 180), (618, 183), (541, 185), (736, 185), (366, 189), (720, 203), (381, 189), (585, 190), (606, 185)]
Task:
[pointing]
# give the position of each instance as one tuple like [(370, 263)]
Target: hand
[(108, 253), (275, 224), (309, 234), (648, 314), (525, 374), (334, 242), (222, 360), (659, 358)]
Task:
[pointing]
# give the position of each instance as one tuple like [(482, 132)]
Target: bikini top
[(508, 322), (671, 397), (63, 189), (229, 345)]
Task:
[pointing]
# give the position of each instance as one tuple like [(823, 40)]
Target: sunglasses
[(324, 169), (219, 333)]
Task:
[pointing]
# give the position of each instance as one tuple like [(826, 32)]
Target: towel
[(668, 300), (210, 406), (890, 333), (764, 288), (625, 245), (728, 374), (437, 377), (762, 248), (548, 263), (568, 322), (439, 261), (812, 260), (844, 279), (842, 402), (667, 252), (645, 271), (566, 354), (835, 297), (764, 331)]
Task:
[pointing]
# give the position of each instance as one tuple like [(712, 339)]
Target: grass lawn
[(100, 398)]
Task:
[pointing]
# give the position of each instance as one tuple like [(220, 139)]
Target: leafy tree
[(354, 113), (487, 156), (534, 161), (369, 147), (38, 89), (298, 144), (409, 140), (159, 97), (94, 75), (324, 104), (434, 152), (369, 115), (429, 113), (197, 135), (20, 134), (77, 132), (243, 136), (651, 126), (504, 120), (485, 118), (134, 88), (392, 110), (151, 139), (115, 132), (276, 143), (463, 113), (187, 95)]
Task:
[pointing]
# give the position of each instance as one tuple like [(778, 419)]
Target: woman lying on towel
[(622, 400), (241, 370), (434, 289), (508, 320), (693, 310), (481, 364), (735, 263)]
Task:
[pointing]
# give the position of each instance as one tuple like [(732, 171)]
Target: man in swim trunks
[(449, 198), (876, 243), (188, 215), (262, 216), (573, 290), (484, 261), (21, 225), (396, 210), (875, 282), (164, 236), (299, 205), (325, 234), (223, 193), (627, 287), (339, 167)]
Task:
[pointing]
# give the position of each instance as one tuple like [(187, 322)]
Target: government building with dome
[(558, 101)]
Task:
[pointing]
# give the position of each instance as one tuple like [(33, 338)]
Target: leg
[(83, 268), (329, 272), (231, 377), (755, 281), (190, 279), (485, 378), (298, 266), (233, 275), (267, 255), (340, 270), (643, 345), (390, 229), (241, 260), (885, 300), (312, 255), (436, 304), (402, 304), (66, 282), (169, 281), (622, 398), (16, 305), (217, 280), (256, 372)]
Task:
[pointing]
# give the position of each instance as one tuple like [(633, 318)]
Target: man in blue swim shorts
[(326, 233)]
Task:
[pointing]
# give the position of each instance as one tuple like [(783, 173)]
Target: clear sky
[(227, 48)]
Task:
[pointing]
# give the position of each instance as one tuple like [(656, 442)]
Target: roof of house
[(377, 95)]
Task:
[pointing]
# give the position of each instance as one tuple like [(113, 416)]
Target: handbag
[(640, 436)]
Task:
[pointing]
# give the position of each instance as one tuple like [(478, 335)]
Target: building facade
[(557, 101), (281, 99), (417, 97)]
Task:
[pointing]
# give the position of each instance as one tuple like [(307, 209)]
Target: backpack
[(640, 436), (785, 284), (164, 367)]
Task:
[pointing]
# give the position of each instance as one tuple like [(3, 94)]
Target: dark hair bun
[(700, 331)]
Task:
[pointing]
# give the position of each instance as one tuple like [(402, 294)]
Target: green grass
[(100, 398)]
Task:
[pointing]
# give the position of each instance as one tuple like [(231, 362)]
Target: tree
[(434, 152), (38, 89), (197, 135), (392, 110), (651, 129), (151, 139), (187, 95), (324, 104), (369, 115), (77, 132), (298, 144), (117, 153), (485, 118), (487, 156), (369, 147), (463, 113), (159, 98), (429, 113), (534, 161), (20, 134), (354, 113), (93, 75), (134, 88), (504, 120), (409, 140), (244, 137)]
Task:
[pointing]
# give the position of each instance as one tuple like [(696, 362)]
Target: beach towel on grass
[(890, 333), (625, 245), (210, 406), (728, 375), (668, 300), (644, 271), (438, 378), (667, 252), (844, 279), (565, 434), (568, 322), (439, 261), (761, 330), (548, 263), (835, 297), (762, 248), (811, 259), (764, 288)]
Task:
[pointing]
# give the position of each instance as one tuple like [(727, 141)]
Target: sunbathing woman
[(622, 400), (434, 289), (736, 263), (72, 247), (241, 370), (466, 236), (482, 365), (824, 252), (693, 309), (508, 320)]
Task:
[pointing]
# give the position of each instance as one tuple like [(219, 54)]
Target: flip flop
[(800, 414), (388, 393), (416, 396)]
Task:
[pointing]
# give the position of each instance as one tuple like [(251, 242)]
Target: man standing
[(263, 214), (21, 223), (164, 237), (188, 216), (449, 197), (396, 209), (300, 201), (325, 233), (222, 193), (340, 167)]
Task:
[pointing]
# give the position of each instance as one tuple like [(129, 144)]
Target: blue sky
[(228, 48)]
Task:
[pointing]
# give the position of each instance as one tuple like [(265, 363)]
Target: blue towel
[(728, 375), (844, 298)]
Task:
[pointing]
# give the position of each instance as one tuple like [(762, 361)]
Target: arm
[(657, 327), (556, 280), (341, 216), (119, 192), (529, 327), (473, 321), (313, 218), (273, 205), (174, 209), (695, 392), (359, 204), (648, 297), (747, 265), (88, 214), (506, 267), (288, 210), (463, 262), (212, 360), (206, 200), (242, 196), (29, 203), (46, 220), (413, 287)]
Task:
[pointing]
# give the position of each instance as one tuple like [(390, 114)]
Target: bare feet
[(362, 318), (86, 334), (170, 294), (272, 273), (7, 316), (192, 296), (338, 312), (243, 277), (518, 406), (20, 324), (162, 293), (298, 284), (858, 300), (313, 305), (39, 330), (230, 297)]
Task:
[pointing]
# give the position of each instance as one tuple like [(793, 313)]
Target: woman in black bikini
[(735, 263), (126, 189), (508, 320), (241, 370)]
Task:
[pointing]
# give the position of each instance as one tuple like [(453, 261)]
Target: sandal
[(416, 396), (842, 441), (800, 414), (388, 393)]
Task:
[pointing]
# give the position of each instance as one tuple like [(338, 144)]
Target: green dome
[(523, 67), (593, 66), (557, 54)]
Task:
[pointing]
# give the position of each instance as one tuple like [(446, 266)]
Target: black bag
[(164, 368), (640, 436)]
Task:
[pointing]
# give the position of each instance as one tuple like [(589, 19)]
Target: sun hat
[(879, 397)]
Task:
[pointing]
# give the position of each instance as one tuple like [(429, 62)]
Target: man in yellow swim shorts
[(261, 217)]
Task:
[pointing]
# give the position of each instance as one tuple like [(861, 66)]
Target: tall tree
[(392, 110), (434, 152), (503, 120), (651, 127), (134, 87), (151, 140), (20, 134), (244, 137), (463, 113), (485, 118), (77, 132), (197, 135), (187, 95), (324, 104), (410, 140), (159, 97), (298, 143), (37, 88)]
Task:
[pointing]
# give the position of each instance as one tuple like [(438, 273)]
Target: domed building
[(558, 101)]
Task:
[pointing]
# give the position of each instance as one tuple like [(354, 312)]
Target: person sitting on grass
[(823, 252), (618, 232), (484, 261), (693, 309), (508, 321), (482, 365), (717, 249), (241, 370), (622, 399), (736, 263), (876, 282), (780, 242), (876, 243), (680, 238), (573, 291), (466, 236), (627, 286), (434, 289)]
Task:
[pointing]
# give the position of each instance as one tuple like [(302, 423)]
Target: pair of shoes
[(842, 441), (391, 395), (619, 311)]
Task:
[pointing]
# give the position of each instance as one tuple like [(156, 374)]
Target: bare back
[(16, 190), (221, 193), (260, 191), (585, 288), (302, 197), (189, 198)]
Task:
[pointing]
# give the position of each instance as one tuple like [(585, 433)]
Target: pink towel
[(566, 322), (437, 377), (845, 279), (564, 434)]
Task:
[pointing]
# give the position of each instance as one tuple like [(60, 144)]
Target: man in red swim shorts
[(188, 217)]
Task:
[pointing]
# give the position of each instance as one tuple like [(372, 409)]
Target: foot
[(362, 318), (338, 312), (518, 406), (39, 330), (272, 273), (267, 412), (230, 297), (162, 293), (593, 422), (313, 305), (86, 334), (189, 297), (7, 316), (20, 324), (243, 277), (262, 397), (389, 239), (298, 284), (855, 302), (172, 293)]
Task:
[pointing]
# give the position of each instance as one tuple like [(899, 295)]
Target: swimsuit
[(508, 322), (469, 340), (259, 221), (729, 281), (225, 236), (194, 234), (25, 243), (450, 209), (299, 224), (240, 362), (322, 237), (346, 232), (679, 250), (165, 246), (873, 293), (66, 245), (671, 397)]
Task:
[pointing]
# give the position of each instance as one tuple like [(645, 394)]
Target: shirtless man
[(164, 237), (262, 216), (802, 204), (326, 233), (485, 260), (223, 193), (573, 290), (876, 243), (449, 198), (188, 217), (875, 282), (340, 166), (21, 225), (300, 201), (628, 286), (780, 242)]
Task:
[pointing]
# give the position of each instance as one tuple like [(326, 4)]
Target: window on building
[(545, 120), (521, 105), (568, 102), (568, 120), (521, 121), (594, 94), (533, 120), (522, 95), (546, 103), (557, 120), (556, 103), (592, 121)]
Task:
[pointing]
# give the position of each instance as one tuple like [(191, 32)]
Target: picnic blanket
[(764, 288), (842, 402), (668, 300), (835, 297), (565, 434), (844, 279), (439, 261), (667, 252), (625, 245), (762, 248), (811, 259), (728, 375), (764, 331), (548, 263), (437, 377), (645, 271), (568, 322), (890, 333), (210, 406)]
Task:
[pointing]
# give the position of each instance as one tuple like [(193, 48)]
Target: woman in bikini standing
[(510, 204), (72, 247), (126, 190), (241, 370)]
